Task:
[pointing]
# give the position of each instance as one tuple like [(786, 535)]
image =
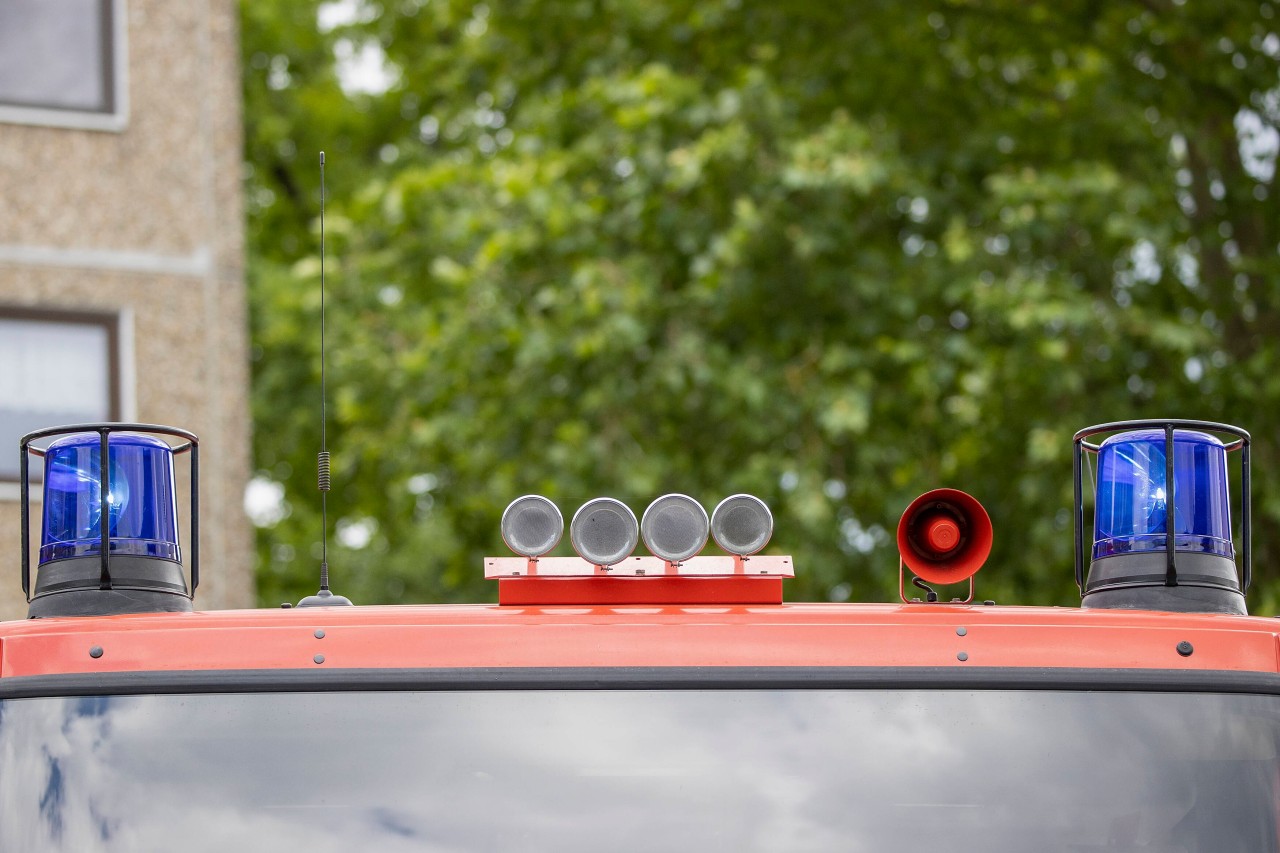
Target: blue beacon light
[(1130, 511), (1162, 535), (141, 507), (109, 532)]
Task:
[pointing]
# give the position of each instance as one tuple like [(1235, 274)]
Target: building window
[(56, 368), (62, 63)]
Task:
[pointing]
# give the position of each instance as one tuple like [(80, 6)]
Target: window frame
[(115, 37), (108, 321)]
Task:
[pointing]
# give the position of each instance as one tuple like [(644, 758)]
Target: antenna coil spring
[(324, 472)]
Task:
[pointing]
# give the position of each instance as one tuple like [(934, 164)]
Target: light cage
[(125, 510), (1162, 489)]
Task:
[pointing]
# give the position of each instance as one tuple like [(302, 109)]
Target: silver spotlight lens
[(604, 531), (531, 526), (675, 527), (742, 524)]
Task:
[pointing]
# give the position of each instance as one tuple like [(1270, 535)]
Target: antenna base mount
[(325, 598)]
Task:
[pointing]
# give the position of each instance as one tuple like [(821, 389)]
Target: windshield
[(581, 770)]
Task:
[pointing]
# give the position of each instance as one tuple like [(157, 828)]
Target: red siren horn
[(944, 536)]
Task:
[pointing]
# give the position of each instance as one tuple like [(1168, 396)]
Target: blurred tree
[(829, 254)]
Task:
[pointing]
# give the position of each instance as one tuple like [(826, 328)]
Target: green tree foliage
[(830, 254)]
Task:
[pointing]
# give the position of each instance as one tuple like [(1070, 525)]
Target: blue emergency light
[(141, 508), (109, 532), (1162, 536), (1131, 508)]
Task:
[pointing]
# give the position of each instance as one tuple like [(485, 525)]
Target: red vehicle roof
[(783, 635)]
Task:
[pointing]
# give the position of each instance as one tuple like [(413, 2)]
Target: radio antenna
[(323, 598)]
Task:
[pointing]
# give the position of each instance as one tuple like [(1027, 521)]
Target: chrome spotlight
[(531, 526), (675, 527), (741, 525), (604, 532)]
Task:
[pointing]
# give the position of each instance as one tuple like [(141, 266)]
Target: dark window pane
[(56, 54), (564, 771)]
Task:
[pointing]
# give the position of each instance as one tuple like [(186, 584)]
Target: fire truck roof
[(634, 636)]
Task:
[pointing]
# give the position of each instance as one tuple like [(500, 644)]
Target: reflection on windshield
[(733, 770)]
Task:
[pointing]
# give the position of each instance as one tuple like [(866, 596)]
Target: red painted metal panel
[(733, 589), (640, 635)]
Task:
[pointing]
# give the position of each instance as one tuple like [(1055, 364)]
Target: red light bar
[(639, 567), (639, 580), (730, 590)]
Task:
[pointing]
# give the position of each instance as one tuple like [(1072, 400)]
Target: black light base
[(73, 587), (1205, 583)]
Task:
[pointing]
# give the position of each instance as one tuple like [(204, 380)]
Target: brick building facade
[(122, 293)]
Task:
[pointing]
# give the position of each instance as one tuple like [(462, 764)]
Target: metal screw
[(962, 656), (95, 652), (319, 633), (1185, 649), (318, 658), (960, 632)]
